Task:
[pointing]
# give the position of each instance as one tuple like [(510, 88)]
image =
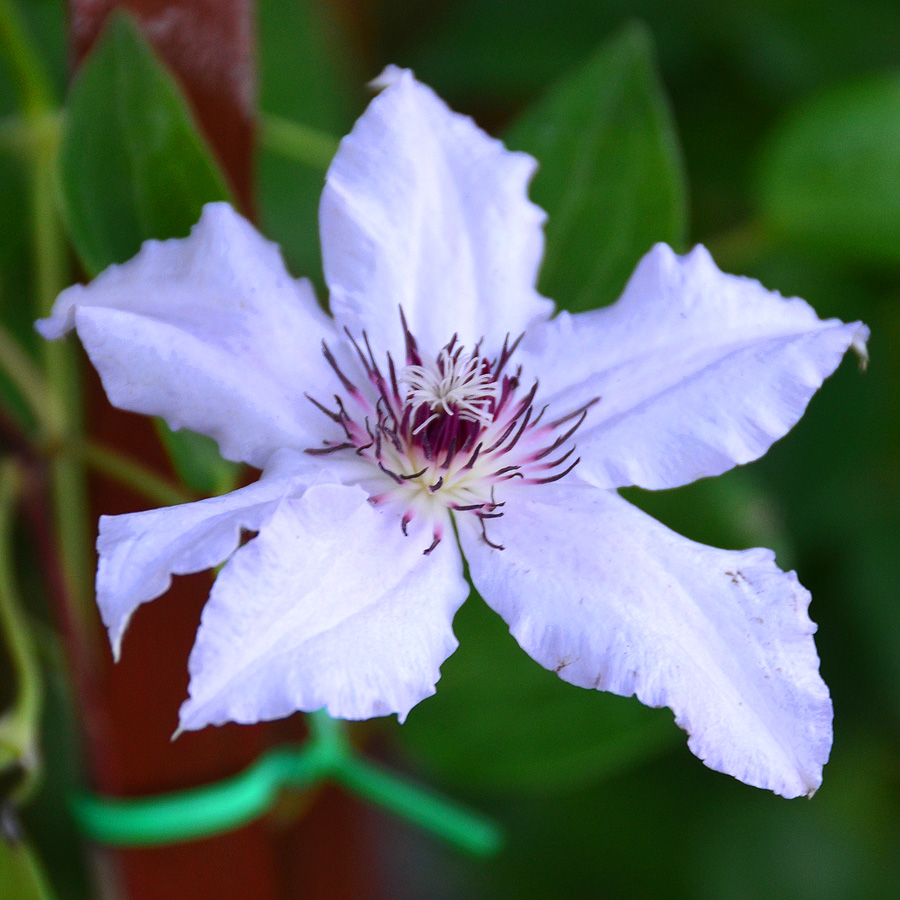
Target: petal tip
[(388, 77), (859, 345), (62, 316)]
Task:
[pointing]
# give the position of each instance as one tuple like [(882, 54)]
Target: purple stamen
[(455, 424)]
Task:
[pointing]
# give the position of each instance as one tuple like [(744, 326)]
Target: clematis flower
[(440, 413)]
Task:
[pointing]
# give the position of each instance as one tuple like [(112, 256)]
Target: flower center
[(450, 433)]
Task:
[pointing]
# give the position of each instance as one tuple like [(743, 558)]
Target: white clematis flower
[(416, 426)]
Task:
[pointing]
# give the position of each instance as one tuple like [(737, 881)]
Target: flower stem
[(299, 143), (19, 728), (130, 473), (28, 379)]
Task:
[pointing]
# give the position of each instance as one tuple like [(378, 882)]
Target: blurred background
[(767, 130)]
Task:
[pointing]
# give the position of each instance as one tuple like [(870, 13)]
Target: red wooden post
[(208, 44)]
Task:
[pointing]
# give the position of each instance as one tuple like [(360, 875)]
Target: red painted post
[(208, 44)]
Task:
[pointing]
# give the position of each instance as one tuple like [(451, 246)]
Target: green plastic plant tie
[(329, 732), (199, 812), (464, 828), (228, 804)]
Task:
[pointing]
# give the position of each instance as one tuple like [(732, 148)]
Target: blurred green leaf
[(731, 510), (610, 179), (830, 176), (133, 165), (501, 721), (21, 876)]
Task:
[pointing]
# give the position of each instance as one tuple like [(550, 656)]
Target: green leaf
[(830, 176), (610, 179), (21, 875), (500, 721), (132, 165)]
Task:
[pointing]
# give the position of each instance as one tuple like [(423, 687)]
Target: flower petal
[(696, 371), (609, 598), (139, 552), (421, 209), (209, 332), (330, 606)]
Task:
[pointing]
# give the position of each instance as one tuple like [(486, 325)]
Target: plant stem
[(20, 727), (19, 137), (130, 473), (35, 91), (50, 275), (299, 143), (29, 380)]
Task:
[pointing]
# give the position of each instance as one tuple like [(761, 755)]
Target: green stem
[(25, 375), (15, 135), (19, 728), (19, 137), (35, 91), (130, 473), (299, 143), (50, 274)]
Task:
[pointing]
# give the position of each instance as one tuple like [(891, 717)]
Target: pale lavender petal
[(330, 606), (695, 371), (211, 333), (607, 597), (140, 552), (421, 209)]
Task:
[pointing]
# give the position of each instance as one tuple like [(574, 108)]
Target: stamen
[(485, 538), (446, 431)]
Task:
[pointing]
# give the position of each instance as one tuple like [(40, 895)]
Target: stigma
[(455, 433)]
